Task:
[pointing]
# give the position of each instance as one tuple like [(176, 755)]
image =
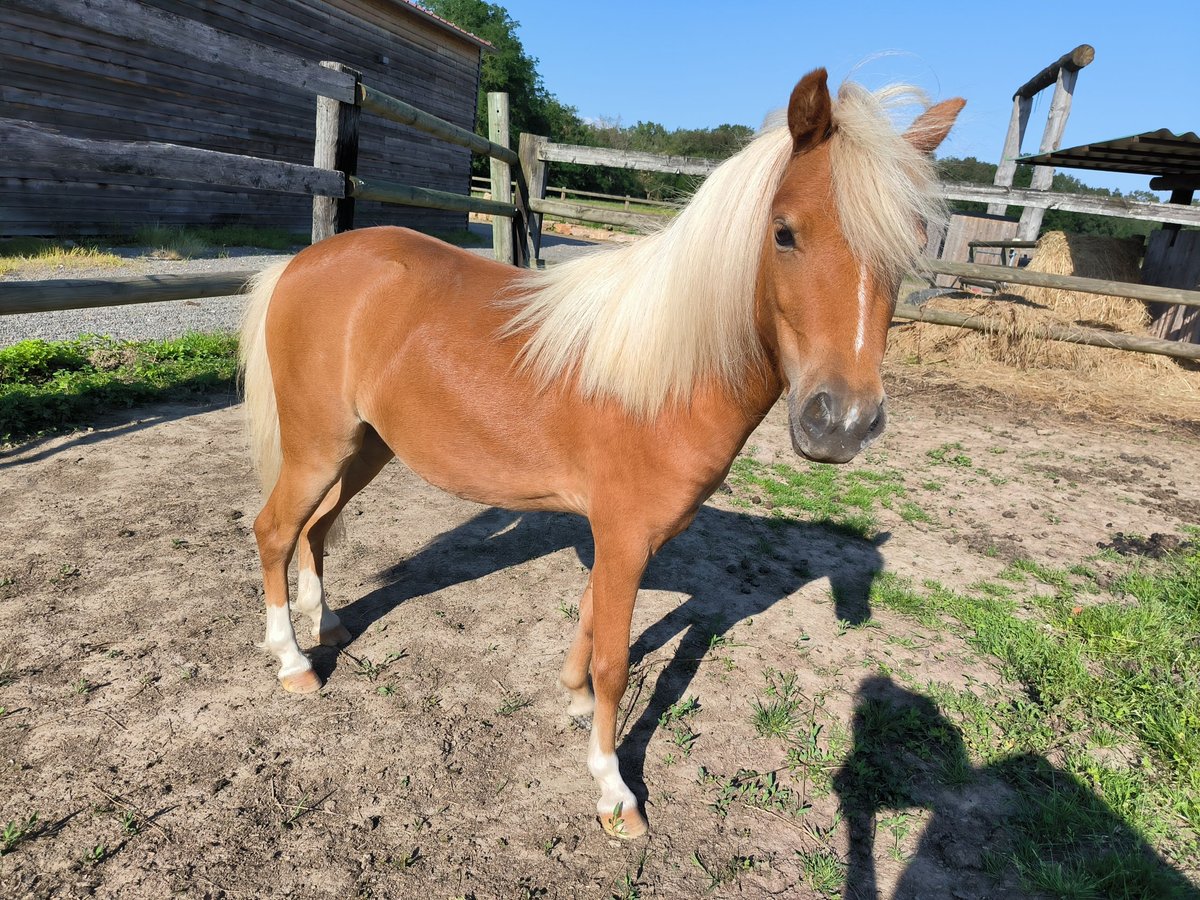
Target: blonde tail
[(262, 417)]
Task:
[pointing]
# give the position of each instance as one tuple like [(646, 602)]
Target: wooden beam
[(195, 40), (86, 293), (1012, 149), (1043, 176), (627, 159), (1075, 334), (1175, 183), (25, 141), (580, 212), (335, 146), (397, 110), (1008, 275), (1084, 203), (407, 195), (1071, 62)]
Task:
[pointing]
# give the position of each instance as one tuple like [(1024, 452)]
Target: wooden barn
[(95, 70)]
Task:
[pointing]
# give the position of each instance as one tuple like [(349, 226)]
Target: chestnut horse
[(618, 386)]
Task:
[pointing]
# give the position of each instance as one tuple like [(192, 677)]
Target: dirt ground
[(438, 760)]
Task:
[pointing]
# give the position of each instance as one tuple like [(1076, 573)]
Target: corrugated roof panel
[(1159, 152)]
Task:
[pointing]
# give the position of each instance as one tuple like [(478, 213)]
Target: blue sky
[(704, 63)]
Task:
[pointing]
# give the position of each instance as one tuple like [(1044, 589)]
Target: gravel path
[(171, 319)]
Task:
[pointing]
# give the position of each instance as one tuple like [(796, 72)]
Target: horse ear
[(930, 128), (810, 111)]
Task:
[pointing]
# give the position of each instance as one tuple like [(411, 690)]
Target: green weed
[(48, 386)]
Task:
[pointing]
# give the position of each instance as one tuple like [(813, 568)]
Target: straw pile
[(1088, 374)]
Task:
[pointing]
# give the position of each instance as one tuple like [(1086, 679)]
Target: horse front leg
[(616, 575)]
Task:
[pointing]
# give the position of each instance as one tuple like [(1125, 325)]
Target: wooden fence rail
[(87, 293), (1148, 293), (24, 140)]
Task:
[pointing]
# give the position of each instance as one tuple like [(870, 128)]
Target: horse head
[(847, 220)]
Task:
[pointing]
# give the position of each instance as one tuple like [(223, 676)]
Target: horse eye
[(784, 239)]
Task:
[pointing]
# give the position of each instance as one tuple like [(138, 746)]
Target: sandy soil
[(438, 761)]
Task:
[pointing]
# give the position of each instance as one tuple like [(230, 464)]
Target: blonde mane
[(644, 322)]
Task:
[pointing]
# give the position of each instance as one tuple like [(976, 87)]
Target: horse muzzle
[(834, 426)]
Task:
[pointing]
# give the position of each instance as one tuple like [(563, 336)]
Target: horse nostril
[(817, 415)]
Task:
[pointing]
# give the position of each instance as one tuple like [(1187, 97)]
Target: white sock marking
[(310, 600), (281, 640), (607, 772), (860, 337)]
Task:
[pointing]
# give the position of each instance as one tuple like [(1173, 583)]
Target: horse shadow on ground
[(730, 566), (907, 755)]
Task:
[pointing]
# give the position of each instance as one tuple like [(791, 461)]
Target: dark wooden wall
[(90, 84)]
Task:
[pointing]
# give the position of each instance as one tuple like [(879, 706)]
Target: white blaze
[(860, 337), (281, 640), (607, 773)]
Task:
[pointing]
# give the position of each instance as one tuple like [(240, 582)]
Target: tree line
[(534, 109)]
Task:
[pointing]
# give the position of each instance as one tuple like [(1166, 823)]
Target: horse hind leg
[(574, 675), (327, 627)]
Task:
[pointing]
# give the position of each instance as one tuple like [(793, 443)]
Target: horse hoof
[(625, 824), (306, 682), (335, 636)]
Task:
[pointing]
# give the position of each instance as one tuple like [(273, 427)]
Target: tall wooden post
[(336, 147), (536, 173), (1012, 149), (502, 231), (1043, 176)]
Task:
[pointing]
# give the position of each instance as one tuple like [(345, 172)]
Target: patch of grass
[(758, 790), (18, 254), (17, 831), (950, 455), (513, 703), (185, 242), (847, 499), (778, 715), (824, 871), (676, 720), (1089, 663), (51, 386), (726, 872)]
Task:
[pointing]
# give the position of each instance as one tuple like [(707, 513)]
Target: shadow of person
[(729, 565), (907, 755)]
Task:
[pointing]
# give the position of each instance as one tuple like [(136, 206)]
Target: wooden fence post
[(336, 147), (1043, 176), (536, 173), (1012, 149), (502, 229)]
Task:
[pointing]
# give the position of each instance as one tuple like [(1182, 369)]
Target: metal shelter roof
[(1159, 152)]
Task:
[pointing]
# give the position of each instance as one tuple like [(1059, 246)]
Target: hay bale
[(1071, 377), (1022, 310)]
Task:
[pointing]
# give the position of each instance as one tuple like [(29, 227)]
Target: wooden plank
[(22, 140), (1070, 62), (627, 159), (1173, 260), (1043, 176), (397, 110), (1083, 203), (335, 146), (408, 195), (1075, 334), (171, 32), (579, 212), (965, 229), (86, 293), (1009, 275)]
